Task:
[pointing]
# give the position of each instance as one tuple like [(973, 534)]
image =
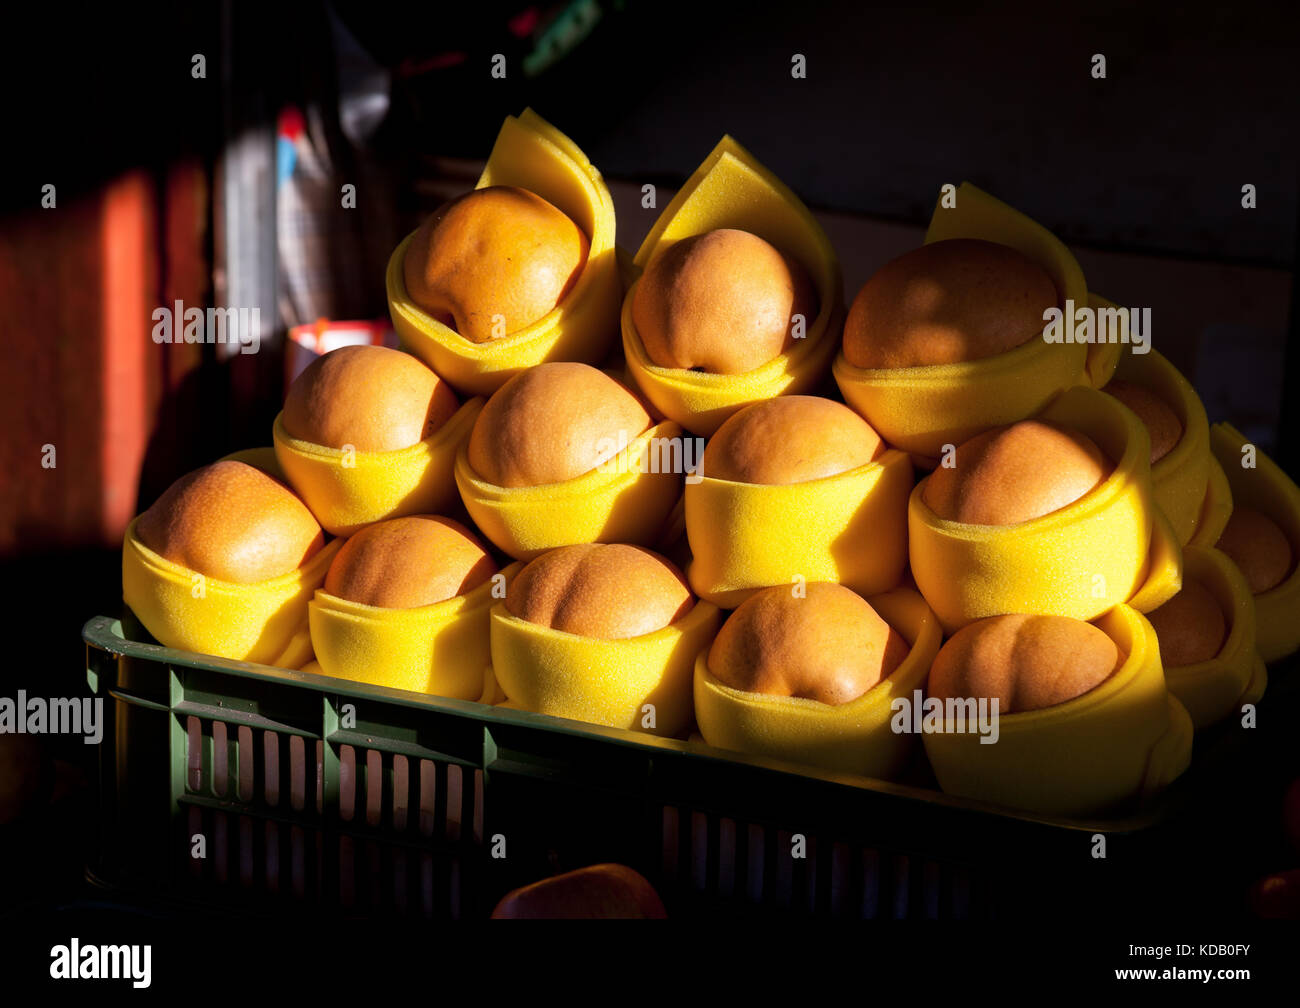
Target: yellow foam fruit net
[(920, 409), (260, 458), (529, 154), (1181, 479), (605, 682), (853, 737), (1112, 545), (264, 622), (347, 490), (626, 499), (732, 190), (1126, 739), (440, 648), (850, 528), (1217, 508), (1268, 489), (1214, 688)]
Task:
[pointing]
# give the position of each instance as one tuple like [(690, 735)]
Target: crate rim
[(106, 634)]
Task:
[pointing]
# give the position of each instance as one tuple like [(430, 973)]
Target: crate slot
[(194, 819), (297, 862), (347, 872), (901, 876), (455, 801), (219, 850), (932, 888), (755, 862), (271, 842), (245, 851), (375, 789), (840, 869), (806, 877), (668, 850), (870, 884), (700, 835), (401, 881), (401, 792), (428, 797), (479, 803), (220, 759), (193, 753), (271, 768), (347, 782), (726, 856), (784, 869), (961, 895), (246, 757), (297, 772), (426, 885)]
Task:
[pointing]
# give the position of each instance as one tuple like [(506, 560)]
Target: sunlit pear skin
[(948, 301), (1024, 662), (373, 398), (270, 532), (827, 644), (552, 423), (494, 261), (406, 563), (609, 591), (1014, 474), (790, 439), (721, 302)]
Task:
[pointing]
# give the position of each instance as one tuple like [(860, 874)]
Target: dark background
[(1198, 99)]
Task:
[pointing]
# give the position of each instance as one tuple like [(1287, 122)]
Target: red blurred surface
[(79, 283)]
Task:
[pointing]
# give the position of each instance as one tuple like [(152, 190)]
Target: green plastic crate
[(406, 811)]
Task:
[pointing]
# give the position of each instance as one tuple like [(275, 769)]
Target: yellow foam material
[(920, 409), (622, 500), (732, 190), (1127, 738), (850, 528), (674, 527), (530, 154), (1214, 688), (1112, 545), (1103, 358), (1268, 489), (259, 458), (854, 737), (349, 490), (1258, 682), (1217, 508), (1180, 480), (493, 694), (440, 648), (604, 682), (264, 622)]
